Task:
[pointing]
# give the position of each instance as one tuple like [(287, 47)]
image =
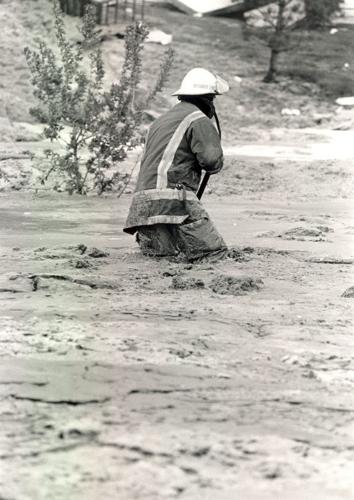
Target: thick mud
[(229, 285), (134, 378)]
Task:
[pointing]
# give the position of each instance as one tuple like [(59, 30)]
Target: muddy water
[(115, 383)]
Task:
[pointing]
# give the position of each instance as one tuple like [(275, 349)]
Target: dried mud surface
[(129, 378)]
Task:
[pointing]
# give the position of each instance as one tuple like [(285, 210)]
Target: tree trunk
[(273, 67), (276, 42)]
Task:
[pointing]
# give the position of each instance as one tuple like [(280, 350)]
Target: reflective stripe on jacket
[(180, 144)]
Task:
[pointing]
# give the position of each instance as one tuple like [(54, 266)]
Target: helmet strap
[(217, 122)]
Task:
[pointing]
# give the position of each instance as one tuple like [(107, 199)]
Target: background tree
[(278, 23), (97, 126), (274, 25), (279, 20)]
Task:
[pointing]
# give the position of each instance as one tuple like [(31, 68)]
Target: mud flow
[(148, 378), (124, 377)]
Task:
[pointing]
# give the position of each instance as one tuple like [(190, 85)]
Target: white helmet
[(199, 81)]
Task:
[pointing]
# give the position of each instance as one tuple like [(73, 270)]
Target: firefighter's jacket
[(179, 145)]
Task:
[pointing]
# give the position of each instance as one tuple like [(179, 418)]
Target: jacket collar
[(204, 104)]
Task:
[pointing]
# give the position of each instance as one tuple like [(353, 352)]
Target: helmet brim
[(183, 92), (221, 85)]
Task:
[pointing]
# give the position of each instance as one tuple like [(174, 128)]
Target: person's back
[(179, 145), (165, 212)]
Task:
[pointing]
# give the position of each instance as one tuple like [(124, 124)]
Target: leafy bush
[(103, 124), (319, 13)]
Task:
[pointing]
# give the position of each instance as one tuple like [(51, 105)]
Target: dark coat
[(180, 144)]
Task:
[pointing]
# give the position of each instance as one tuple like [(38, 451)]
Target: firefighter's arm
[(205, 143)]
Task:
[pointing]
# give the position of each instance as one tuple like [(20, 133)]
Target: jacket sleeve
[(204, 142)]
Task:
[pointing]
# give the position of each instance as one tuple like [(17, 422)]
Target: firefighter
[(166, 213)]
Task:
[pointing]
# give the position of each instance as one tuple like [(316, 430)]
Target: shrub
[(319, 13), (103, 124)]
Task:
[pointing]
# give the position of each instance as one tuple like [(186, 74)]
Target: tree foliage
[(319, 13), (98, 126)]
